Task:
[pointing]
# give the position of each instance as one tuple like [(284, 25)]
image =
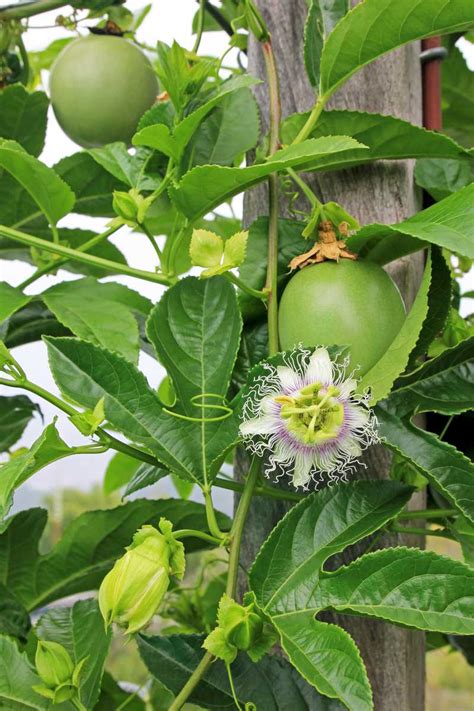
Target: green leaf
[(271, 684), (48, 448), (127, 168), (375, 27), (120, 471), (11, 300), (146, 475), (92, 185), (383, 374), (406, 586), (88, 309), (458, 97), (287, 568), (444, 384), (443, 465), (112, 696), (323, 15), (195, 329), (221, 139), (205, 187), (441, 178), (17, 679), (88, 548), (80, 630), (14, 619), (173, 143), (327, 657), (87, 373), (29, 324), (23, 117), (253, 349), (386, 138), (439, 304), (15, 413), (449, 224), (53, 197)]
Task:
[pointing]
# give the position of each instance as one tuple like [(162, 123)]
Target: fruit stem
[(274, 142), (76, 255), (152, 240), (311, 120), (313, 200), (257, 294)]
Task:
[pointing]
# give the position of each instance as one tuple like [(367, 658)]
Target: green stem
[(36, 8), (152, 240), (57, 263), (192, 682), (274, 141), (200, 27), (446, 427), (255, 293), (191, 533), (232, 687), (266, 491), (238, 526), (418, 531), (311, 120), (211, 515), (76, 255), (427, 513), (313, 200)]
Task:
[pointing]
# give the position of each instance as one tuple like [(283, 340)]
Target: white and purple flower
[(306, 419)]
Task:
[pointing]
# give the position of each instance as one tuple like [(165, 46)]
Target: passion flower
[(303, 415)]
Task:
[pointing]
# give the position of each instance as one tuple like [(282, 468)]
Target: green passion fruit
[(100, 86), (346, 303)]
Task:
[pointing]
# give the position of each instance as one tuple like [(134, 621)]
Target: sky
[(167, 20)]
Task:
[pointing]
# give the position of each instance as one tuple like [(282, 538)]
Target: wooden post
[(383, 192)]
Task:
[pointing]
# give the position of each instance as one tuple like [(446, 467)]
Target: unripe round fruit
[(100, 86), (352, 303)]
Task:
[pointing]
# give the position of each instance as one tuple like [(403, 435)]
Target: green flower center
[(314, 416)]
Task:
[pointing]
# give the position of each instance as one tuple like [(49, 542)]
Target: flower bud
[(57, 671), (132, 591), (245, 629), (131, 207)]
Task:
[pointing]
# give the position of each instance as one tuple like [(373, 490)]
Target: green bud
[(53, 664), (132, 591), (245, 628), (131, 207), (88, 421)]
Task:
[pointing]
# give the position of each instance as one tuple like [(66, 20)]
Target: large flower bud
[(132, 591), (57, 671), (243, 627)]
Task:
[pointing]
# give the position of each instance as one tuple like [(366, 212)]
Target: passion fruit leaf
[(49, 447), (86, 373), (387, 138), (397, 585), (88, 309), (93, 186), (127, 168), (80, 630), (15, 413), (17, 679), (220, 139), (11, 300), (183, 328), (272, 684), (146, 475), (383, 374), (289, 564), (14, 619), (458, 97), (443, 177), (205, 187), (29, 324), (173, 143), (439, 303), (448, 224), (390, 25), (322, 17), (52, 195), (23, 117), (120, 470), (447, 469), (88, 548), (327, 657)]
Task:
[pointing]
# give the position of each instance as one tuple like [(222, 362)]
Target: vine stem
[(313, 200), (78, 256), (57, 263), (271, 285), (200, 26), (418, 531), (263, 295), (191, 533), (36, 8), (311, 120), (192, 682), (427, 513)]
